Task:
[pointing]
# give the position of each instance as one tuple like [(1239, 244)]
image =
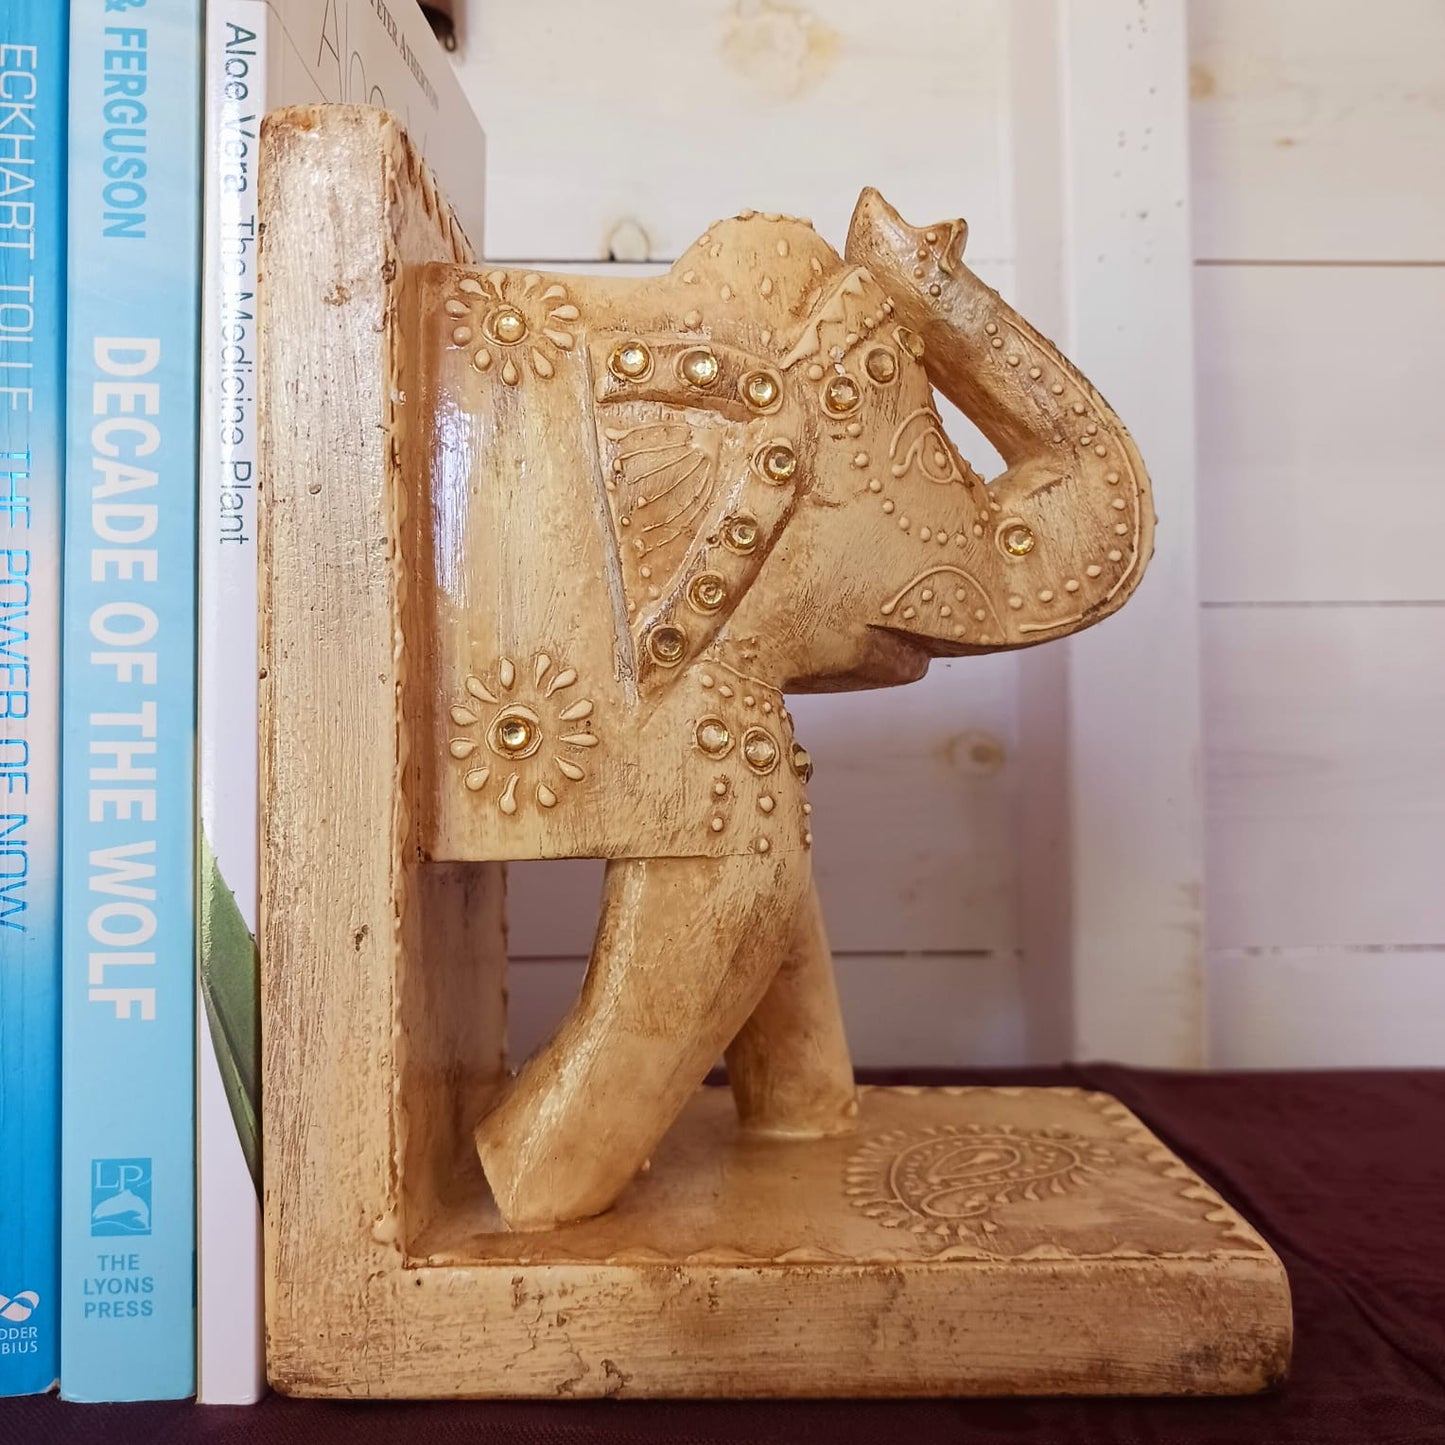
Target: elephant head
[(653, 508), (899, 550)]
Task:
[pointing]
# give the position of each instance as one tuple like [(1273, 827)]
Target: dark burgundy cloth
[(1344, 1173)]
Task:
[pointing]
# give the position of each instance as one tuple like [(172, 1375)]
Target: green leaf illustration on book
[(230, 978)]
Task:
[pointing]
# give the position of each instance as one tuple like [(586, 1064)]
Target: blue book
[(129, 702), (32, 418)]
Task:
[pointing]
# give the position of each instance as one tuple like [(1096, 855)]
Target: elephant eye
[(919, 442)]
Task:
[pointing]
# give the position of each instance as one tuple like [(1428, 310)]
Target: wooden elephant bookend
[(543, 558)]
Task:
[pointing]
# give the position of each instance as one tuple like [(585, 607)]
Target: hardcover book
[(128, 728), (32, 306), (261, 56)]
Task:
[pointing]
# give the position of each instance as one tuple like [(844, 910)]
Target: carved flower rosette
[(522, 736), (513, 324)]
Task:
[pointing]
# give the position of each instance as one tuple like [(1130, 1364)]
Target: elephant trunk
[(1075, 517)]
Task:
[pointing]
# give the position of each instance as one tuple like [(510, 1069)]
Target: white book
[(261, 55)]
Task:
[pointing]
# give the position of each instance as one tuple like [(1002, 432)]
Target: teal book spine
[(128, 736), (32, 419)]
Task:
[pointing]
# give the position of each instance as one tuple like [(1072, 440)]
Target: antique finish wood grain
[(542, 558)]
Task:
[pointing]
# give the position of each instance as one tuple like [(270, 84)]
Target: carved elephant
[(655, 508)]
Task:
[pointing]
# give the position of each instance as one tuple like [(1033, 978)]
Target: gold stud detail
[(508, 326), (802, 762), (881, 365), (778, 462), (759, 751), (1017, 539), (741, 532), (667, 644), (515, 733), (713, 737), (631, 361), (841, 395), (707, 592), (699, 367), (911, 342), (760, 390)]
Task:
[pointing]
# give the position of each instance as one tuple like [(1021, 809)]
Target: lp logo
[(120, 1196)]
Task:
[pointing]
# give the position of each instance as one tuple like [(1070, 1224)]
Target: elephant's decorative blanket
[(728, 482)]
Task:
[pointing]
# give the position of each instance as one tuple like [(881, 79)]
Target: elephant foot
[(789, 1067), (685, 950)]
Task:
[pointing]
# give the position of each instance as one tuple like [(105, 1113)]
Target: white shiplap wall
[(1319, 211)]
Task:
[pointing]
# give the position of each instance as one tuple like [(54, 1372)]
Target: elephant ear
[(704, 452), (695, 510)]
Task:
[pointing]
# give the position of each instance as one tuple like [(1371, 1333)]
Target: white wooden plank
[(538, 994), (1326, 775), (952, 1009), (914, 797), (1320, 464), (1318, 128), (1112, 863), (660, 117), (1043, 835), (552, 907), (1327, 1009)]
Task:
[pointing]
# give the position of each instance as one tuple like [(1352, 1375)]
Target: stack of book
[(129, 1039)]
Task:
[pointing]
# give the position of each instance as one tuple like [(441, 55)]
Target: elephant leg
[(685, 948), (789, 1066)]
